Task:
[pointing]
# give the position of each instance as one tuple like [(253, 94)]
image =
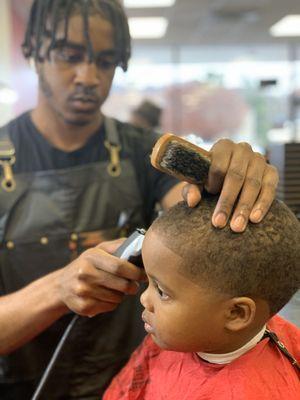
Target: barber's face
[(71, 87)]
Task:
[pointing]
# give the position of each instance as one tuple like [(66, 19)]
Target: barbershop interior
[(203, 70)]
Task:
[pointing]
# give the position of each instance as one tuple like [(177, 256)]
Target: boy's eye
[(161, 293)]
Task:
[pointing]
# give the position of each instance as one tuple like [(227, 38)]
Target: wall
[(6, 111)]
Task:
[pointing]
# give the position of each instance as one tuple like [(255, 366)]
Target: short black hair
[(263, 262), (45, 16)]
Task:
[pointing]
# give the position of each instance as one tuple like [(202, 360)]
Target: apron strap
[(274, 338), (112, 143), (7, 159)]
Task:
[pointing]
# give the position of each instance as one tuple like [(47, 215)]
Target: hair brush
[(183, 160)]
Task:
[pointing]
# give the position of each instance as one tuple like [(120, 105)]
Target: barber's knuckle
[(225, 142), (236, 174), (253, 182), (221, 144), (225, 204), (245, 147), (115, 268), (80, 290), (217, 170), (82, 273), (270, 188), (264, 204), (244, 208), (258, 157), (273, 173)]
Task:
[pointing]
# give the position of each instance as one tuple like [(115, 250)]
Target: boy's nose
[(145, 300), (87, 74)]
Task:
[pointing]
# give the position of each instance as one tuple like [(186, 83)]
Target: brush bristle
[(184, 161)]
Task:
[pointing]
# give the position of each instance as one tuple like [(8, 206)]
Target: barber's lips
[(85, 103), (148, 328)]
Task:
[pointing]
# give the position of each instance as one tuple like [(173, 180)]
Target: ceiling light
[(148, 28), (287, 27), (7, 95), (148, 3)]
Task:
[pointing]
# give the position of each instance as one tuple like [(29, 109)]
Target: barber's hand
[(97, 282), (236, 170)]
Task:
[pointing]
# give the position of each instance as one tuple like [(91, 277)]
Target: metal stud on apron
[(44, 222)]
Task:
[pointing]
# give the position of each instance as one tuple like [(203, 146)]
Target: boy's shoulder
[(263, 373)]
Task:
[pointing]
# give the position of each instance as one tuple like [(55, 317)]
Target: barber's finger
[(221, 154), (191, 194), (114, 265), (233, 183), (111, 246), (85, 290), (89, 307), (103, 279), (250, 192), (267, 194)]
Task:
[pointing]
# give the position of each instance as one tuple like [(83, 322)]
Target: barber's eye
[(105, 64), (68, 56)]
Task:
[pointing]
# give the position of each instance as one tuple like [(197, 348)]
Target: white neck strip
[(229, 357)]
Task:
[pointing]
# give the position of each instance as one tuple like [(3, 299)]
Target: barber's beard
[(48, 94), (44, 85)]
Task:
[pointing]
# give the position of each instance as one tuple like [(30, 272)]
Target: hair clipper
[(131, 249)]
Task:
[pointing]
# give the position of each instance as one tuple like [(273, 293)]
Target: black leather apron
[(40, 221)]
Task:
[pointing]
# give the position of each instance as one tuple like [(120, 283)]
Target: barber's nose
[(87, 74), (145, 300)]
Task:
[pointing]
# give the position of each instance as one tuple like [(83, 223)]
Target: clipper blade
[(183, 160)]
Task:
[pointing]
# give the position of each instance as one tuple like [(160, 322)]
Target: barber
[(74, 178)]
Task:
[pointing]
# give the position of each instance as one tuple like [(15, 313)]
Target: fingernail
[(239, 224), (190, 199), (220, 220), (257, 216)]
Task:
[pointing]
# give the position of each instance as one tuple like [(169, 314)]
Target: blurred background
[(211, 68), (216, 67)]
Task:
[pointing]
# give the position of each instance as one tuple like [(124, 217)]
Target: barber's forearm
[(28, 312)]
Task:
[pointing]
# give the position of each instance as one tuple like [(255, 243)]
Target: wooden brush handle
[(161, 146)]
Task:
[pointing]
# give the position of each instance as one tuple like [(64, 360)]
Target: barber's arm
[(236, 171), (96, 282)]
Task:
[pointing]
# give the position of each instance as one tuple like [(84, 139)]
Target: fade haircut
[(263, 262), (45, 16)]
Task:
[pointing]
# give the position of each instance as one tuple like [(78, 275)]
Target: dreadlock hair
[(45, 16)]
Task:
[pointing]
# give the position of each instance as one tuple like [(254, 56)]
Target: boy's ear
[(240, 313)]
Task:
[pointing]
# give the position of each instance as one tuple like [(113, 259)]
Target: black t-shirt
[(35, 153)]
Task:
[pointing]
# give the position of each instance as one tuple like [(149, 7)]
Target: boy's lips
[(148, 327)]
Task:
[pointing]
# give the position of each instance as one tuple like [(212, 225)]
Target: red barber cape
[(263, 373)]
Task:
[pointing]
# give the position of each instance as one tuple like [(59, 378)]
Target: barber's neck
[(62, 134)]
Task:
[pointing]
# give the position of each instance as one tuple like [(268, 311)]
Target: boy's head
[(211, 290)]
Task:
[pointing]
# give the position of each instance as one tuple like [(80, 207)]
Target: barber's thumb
[(191, 194)]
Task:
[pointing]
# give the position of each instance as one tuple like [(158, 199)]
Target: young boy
[(209, 307)]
